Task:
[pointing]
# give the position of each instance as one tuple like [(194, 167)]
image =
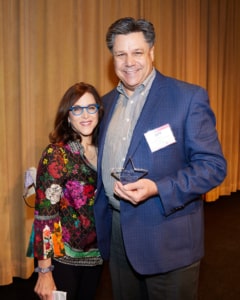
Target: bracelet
[(44, 270)]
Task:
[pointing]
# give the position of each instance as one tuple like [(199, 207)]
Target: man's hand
[(137, 191)]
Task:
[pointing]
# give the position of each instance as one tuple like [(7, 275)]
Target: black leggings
[(80, 283)]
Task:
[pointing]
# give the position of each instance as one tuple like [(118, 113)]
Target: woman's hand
[(45, 285)]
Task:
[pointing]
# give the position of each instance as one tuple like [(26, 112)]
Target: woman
[(65, 242)]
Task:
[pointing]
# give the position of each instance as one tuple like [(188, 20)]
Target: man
[(154, 225)]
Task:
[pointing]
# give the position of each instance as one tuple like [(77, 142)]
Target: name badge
[(160, 137)]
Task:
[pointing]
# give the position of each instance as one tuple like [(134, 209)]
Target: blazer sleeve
[(205, 166)]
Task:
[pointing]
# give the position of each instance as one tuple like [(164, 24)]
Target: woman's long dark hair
[(62, 132)]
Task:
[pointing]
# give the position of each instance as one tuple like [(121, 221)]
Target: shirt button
[(124, 138)]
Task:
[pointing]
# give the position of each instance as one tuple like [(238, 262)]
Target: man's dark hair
[(130, 25)]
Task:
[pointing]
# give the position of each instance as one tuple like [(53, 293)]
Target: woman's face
[(83, 121)]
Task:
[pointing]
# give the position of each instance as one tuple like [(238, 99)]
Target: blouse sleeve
[(51, 175)]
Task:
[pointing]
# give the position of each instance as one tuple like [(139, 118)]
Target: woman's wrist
[(44, 270)]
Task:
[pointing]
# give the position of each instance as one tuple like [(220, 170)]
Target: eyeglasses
[(78, 110)]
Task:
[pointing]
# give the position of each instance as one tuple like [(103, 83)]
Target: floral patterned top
[(64, 225)]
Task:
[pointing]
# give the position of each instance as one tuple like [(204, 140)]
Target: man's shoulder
[(111, 93), (175, 82), (108, 98)]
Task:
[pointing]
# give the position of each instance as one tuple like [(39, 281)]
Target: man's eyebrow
[(118, 51), (133, 50)]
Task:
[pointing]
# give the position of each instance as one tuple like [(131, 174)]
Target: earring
[(69, 124)]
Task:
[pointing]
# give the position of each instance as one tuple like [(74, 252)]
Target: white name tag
[(160, 137)]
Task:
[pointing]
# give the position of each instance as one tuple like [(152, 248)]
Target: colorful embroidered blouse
[(64, 225)]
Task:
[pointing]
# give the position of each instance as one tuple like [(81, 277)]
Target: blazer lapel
[(151, 107)]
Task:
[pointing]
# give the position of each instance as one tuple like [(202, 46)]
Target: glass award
[(129, 173)]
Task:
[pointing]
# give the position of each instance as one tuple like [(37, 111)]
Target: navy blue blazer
[(166, 232)]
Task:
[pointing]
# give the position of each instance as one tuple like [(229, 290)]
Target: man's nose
[(129, 60)]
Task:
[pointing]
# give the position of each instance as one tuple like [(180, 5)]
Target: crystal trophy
[(129, 173)]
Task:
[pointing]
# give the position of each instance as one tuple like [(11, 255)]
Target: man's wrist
[(44, 270)]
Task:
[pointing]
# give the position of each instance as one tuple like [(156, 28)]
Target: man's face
[(133, 59)]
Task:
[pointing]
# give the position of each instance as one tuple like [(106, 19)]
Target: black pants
[(80, 283), (181, 284)]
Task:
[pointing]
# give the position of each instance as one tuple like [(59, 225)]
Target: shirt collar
[(141, 87)]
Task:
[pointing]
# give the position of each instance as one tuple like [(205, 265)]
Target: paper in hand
[(59, 295)]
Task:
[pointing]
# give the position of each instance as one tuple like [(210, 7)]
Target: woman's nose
[(85, 113)]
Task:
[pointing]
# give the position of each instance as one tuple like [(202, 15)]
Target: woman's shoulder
[(67, 150), (53, 147)]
